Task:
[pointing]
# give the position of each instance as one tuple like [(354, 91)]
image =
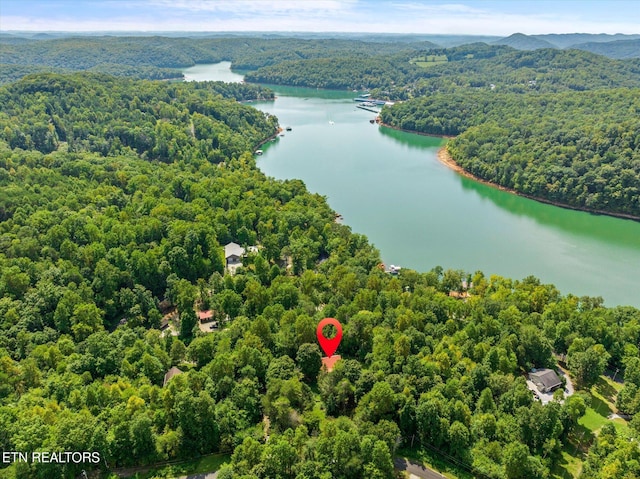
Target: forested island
[(118, 196)]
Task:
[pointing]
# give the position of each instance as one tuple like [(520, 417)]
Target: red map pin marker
[(329, 345)]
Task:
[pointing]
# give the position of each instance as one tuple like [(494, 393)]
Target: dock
[(371, 108), (374, 101)]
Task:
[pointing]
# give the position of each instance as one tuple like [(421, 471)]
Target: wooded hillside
[(97, 244), (578, 149)]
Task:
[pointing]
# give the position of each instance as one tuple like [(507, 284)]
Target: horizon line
[(222, 32)]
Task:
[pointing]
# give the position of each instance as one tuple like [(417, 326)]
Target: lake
[(390, 186)]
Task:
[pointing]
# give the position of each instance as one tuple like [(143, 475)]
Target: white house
[(233, 254)]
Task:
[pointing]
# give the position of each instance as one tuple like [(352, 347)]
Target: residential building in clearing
[(205, 316), (233, 254), (546, 380)]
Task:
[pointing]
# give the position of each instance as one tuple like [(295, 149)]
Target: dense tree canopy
[(166, 122), (162, 57), (400, 75), (351, 72), (116, 198)]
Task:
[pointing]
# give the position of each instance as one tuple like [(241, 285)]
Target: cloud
[(399, 16), (256, 7), (504, 18), (437, 8)]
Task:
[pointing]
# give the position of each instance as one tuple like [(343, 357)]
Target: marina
[(369, 106), (372, 101)]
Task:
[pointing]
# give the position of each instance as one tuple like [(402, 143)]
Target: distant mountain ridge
[(199, 47), (617, 46), (620, 49), (570, 40), (520, 41)]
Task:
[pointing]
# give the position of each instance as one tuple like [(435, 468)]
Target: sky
[(476, 17)]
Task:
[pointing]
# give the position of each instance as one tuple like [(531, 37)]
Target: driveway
[(415, 469), (544, 397), (569, 387), (548, 397)]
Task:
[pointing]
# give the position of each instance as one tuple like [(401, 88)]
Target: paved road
[(400, 463), (416, 469)]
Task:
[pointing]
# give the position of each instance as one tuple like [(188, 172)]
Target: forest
[(466, 67), (162, 57), (158, 57), (117, 198), (165, 122), (345, 72)]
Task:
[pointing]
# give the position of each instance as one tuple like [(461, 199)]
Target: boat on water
[(259, 152), (288, 128)]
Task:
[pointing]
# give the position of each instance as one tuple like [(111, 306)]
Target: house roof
[(204, 315), (547, 377), (329, 362), (174, 371), (233, 249), (456, 294)]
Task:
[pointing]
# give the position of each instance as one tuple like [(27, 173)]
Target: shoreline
[(267, 140), (435, 135), (445, 158)]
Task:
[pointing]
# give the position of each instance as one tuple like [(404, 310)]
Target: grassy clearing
[(569, 466), (606, 390), (429, 60), (593, 419), (603, 397)]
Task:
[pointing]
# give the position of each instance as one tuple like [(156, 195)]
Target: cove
[(390, 186)]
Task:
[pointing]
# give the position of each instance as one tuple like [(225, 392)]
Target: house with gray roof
[(233, 253), (546, 380)]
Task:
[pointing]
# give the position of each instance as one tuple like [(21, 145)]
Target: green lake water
[(390, 186)]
